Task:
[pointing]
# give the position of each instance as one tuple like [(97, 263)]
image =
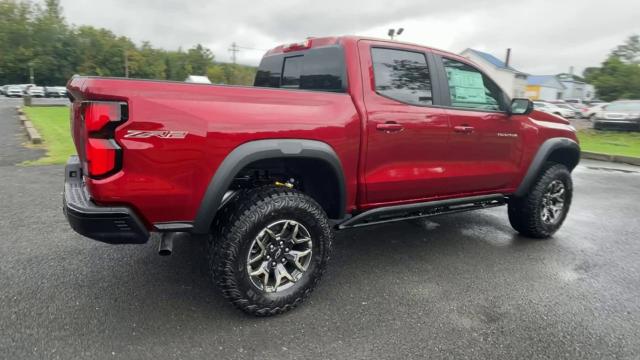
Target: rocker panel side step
[(418, 210)]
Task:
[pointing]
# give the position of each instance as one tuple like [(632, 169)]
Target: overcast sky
[(546, 37)]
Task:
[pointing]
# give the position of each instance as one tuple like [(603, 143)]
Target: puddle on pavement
[(612, 170)]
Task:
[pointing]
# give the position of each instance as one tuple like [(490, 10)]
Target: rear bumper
[(109, 224)]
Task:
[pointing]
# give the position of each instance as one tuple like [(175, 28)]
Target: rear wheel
[(270, 249), (542, 211)]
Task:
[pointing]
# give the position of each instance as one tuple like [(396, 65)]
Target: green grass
[(53, 125), (610, 142)]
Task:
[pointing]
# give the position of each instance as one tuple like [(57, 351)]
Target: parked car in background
[(620, 115), (591, 111), (55, 91), (575, 113), (574, 101), (3, 89), (24, 87), (14, 91), (552, 109), (35, 91)]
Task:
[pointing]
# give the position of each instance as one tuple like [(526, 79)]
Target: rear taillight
[(102, 156)]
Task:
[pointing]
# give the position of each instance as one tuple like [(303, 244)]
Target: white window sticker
[(466, 86)]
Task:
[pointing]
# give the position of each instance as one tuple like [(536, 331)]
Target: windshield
[(624, 106)]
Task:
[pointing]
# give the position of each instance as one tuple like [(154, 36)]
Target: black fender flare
[(256, 150), (544, 151)]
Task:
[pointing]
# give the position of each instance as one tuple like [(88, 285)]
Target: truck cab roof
[(313, 42)]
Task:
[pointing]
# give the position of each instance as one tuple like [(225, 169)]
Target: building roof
[(492, 60), (570, 78), (545, 80)]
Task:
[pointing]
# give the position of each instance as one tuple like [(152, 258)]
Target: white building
[(544, 87), (575, 88), (512, 81)]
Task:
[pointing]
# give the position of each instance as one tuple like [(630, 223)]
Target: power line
[(235, 49)]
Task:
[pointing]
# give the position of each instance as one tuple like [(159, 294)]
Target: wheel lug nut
[(284, 260), (286, 249), (274, 263)]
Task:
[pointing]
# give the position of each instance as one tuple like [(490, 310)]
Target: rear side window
[(320, 69), (402, 75), (470, 88)]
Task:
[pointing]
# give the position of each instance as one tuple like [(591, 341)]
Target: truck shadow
[(362, 259)]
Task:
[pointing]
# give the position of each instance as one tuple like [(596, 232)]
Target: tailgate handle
[(390, 126)]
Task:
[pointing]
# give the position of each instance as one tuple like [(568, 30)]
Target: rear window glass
[(320, 69), (291, 72)]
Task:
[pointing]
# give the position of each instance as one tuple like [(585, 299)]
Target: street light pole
[(31, 77), (393, 33)]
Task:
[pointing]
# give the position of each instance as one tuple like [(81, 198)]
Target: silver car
[(621, 114), (35, 91), (552, 109), (14, 91), (55, 91)]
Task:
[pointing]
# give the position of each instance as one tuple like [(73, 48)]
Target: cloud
[(545, 36)]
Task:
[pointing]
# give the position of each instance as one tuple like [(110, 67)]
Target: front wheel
[(270, 249), (542, 211)]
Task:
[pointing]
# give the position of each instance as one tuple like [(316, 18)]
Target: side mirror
[(521, 106)]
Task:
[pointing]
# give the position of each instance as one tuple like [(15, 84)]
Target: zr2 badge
[(162, 134)]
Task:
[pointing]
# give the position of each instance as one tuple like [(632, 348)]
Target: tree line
[(36, 39), (619, 75)]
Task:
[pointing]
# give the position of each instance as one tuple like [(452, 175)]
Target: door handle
[(390, 126), (494, 117), (463, 129)]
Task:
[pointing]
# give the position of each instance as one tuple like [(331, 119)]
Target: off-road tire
[(234, 231), (525, 212)]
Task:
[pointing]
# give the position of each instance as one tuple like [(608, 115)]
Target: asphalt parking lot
[(456, 286)]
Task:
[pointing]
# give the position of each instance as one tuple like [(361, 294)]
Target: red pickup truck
[(336, 133)]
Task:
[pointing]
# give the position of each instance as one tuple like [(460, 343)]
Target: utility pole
[(31, 77), (126, 64), (234, 51)]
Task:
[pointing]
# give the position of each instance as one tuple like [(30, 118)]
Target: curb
[(611, 158), (32, 132)]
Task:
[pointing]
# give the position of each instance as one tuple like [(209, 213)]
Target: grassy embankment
[(53, 125)]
